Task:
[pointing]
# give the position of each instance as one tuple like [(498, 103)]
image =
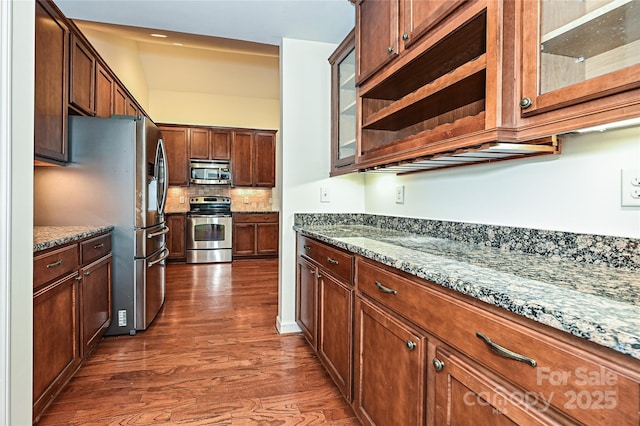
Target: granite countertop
[(599, 303), (45, 237)]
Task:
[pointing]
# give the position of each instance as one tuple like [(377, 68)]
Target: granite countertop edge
[(46, 237), (598, 322)]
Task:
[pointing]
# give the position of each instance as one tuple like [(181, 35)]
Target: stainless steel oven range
[(209, 229)]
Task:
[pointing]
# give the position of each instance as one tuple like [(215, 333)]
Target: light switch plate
[(324, 195), (400, 194), (630, 188)]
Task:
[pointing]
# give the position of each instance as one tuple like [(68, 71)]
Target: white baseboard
[(289, 327)]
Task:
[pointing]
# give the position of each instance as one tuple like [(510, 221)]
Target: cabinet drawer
[(334, 260), (95, 248), (54, 264), (255, 217), (569, 379)]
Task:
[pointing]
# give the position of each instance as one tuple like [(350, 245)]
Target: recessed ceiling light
[(159, 35)]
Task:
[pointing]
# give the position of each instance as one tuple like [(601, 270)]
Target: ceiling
[(258, 21)]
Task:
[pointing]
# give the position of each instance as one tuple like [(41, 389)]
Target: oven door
[(208, 231)]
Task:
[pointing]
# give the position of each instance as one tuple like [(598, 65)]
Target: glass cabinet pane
[(347, 107), (584, 39)]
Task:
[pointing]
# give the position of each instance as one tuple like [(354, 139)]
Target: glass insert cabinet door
[(343, 117), (578, 50)]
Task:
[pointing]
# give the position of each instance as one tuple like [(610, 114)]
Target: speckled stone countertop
[(589, 299), (45, 237)]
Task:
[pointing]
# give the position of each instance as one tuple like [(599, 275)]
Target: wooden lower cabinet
[(306, 305), (56, 353), (71, 312), (95, 302), (335, 340), (390, 369), (176, 239), (255, 235), (424, 354)]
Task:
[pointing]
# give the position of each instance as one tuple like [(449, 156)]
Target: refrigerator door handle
[(165, 255), (165, 230), (161, 155)]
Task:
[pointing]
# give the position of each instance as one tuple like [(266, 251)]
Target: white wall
[(16, 205), (305, 82), (578, 191)]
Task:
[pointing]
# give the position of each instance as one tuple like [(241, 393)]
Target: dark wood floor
[(212, 357)]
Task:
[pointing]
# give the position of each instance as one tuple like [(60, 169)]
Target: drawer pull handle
[(97, 246), (332, 261), (306, 247), (438, 365), (505, 352), (385, 289), (411, 345), (54, 264)]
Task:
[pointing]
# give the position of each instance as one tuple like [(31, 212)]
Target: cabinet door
[(176, 144), (82, 72), (264, 161), (120, 100), (132, 108), (578, 51), (50, 103), (242, 158), (220, 144), (390, 363), (335, 347), (104, 92), (267, 238), (377, 35), (176, 242), (343, 105), (244, 239), (95, 302), (55, 339), (199, 144), (466, 396), (419, 16), (306, 300)]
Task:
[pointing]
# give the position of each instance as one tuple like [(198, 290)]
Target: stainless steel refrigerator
[(117, 175)]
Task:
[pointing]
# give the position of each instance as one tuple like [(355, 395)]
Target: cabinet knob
[(525, 103), (405, 36), (390, 49), (411, 345), (437, 364), (312, 271)]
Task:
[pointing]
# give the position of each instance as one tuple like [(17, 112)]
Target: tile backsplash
[(242, 199)]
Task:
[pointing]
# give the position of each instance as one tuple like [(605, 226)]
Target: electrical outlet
[(122, 318), (181, 200), (630, 188), (400, 194), (324, 195), (245, 199)]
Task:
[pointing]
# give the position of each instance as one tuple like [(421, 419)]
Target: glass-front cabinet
[(343, 106), (578, 50)]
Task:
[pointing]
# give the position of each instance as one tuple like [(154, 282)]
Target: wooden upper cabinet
[(220, 140), (199, 143), (210, 144), (376, 35), (120, 100), (264, 159), (419, 16), (242, 158), (132, 108), (50, 103), (176, 144), (104, 92), (578, 51), (82, 74)]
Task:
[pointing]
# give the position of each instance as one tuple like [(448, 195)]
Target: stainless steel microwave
[(209, 172)]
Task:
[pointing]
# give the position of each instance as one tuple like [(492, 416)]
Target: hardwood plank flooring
[(211, 357)]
